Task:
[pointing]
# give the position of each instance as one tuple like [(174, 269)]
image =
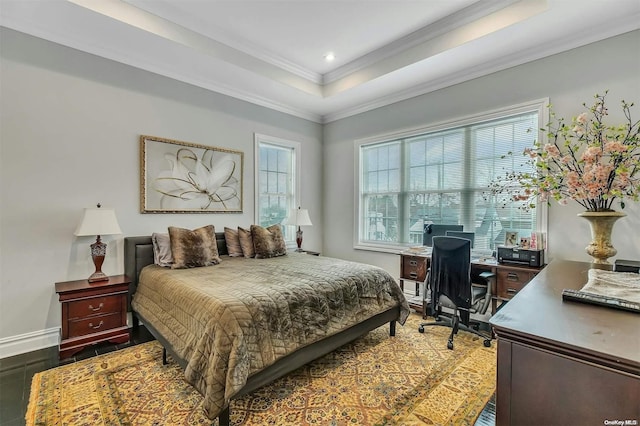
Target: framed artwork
[(511, 239), (183, 177)]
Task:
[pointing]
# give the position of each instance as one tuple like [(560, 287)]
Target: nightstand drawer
[(95, 324), (511, 281), (413, 268), (95, 306)]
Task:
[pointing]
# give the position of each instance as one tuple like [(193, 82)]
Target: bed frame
[(138, 253)]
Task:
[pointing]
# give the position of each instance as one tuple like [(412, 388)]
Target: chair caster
[(487, 343), (450, 345), (421, 329)]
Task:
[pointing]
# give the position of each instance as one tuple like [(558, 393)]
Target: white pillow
[(162, 249)]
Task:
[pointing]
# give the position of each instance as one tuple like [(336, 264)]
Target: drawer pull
[(511, 276), (96, 326), (100, 306), (413, 262), (413, 274), (512, 290)]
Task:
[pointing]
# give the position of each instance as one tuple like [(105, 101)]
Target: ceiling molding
[(421, 36), (164, 9), (59, 36), (161, 27), (629, 23), (450, 39), (444, 52)]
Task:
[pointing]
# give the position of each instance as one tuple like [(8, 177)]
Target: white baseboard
[(28, 342)]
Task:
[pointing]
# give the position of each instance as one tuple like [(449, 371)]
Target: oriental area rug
[(410, 379)]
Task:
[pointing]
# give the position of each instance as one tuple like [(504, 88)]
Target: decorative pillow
[(161, 249), (233, 242), (192, 249), (268, 242), (246, 242)]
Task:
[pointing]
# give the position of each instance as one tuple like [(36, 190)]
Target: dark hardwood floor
[(16, 373)]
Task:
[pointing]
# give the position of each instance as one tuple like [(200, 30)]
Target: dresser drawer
[(96, 324), (511, 281), (95, 306), (413, 268)]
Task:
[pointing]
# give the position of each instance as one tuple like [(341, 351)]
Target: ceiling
[(272, 52)]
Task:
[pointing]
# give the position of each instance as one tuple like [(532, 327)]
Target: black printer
[(519, 256)]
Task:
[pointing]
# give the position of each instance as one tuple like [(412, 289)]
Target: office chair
[(450, 285)]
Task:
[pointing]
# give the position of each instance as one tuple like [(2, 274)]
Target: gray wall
[(69, 128), (567, 79), (69, 138)]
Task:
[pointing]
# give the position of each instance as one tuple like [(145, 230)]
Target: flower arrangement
[(587, 161)]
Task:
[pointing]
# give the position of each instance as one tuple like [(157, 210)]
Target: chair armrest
[(487, 275)]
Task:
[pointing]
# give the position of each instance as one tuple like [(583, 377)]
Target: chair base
[(454, 323)]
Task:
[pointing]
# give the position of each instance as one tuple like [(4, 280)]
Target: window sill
[(380, 248)]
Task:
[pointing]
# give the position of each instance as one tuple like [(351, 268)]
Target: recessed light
[(329, 56)]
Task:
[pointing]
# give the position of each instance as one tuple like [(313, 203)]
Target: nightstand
[(92, 313)]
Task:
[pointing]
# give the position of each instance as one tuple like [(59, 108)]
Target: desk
[(565, 363), (510, 279)]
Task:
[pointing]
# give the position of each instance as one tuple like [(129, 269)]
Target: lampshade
[(98, 221), (298, 217)]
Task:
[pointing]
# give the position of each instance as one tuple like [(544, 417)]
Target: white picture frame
[(511, 239)]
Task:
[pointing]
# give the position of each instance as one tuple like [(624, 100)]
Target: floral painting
[(182, 177)]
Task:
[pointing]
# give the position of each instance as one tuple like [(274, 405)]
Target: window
[(277, 168), (441, 176)]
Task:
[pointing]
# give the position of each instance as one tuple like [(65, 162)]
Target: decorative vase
[(600, 248)]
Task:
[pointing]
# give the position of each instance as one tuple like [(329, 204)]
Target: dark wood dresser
[(93, 313), (565, 363)]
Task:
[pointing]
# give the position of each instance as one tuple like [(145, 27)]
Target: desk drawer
[(413, 268), (511, 281)]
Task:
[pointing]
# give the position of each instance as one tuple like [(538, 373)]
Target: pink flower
[(589, 162), (552, 150), (582, 118), (615, 146), (591, 154)]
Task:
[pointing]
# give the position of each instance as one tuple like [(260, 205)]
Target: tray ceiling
[(272, 52)]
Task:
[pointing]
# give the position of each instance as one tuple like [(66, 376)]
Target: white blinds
[(442, 177)]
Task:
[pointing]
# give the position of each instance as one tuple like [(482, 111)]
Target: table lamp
[(299, 217), (98, 221)]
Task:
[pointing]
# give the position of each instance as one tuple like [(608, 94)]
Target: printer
[(519, 256)]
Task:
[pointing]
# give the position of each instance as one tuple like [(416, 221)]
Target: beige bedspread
[(231, 320)]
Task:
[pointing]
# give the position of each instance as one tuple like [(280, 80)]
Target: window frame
[(296, 148), (541, 106)]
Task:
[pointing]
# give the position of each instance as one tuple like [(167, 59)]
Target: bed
[(243, 323)]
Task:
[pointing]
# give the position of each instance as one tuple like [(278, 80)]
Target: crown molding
[(163, 9), (627, 24), (420, 36), (143, 20), (136, 62), (26, 23)]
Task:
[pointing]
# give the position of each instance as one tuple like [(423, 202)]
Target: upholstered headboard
[(138, 253)]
